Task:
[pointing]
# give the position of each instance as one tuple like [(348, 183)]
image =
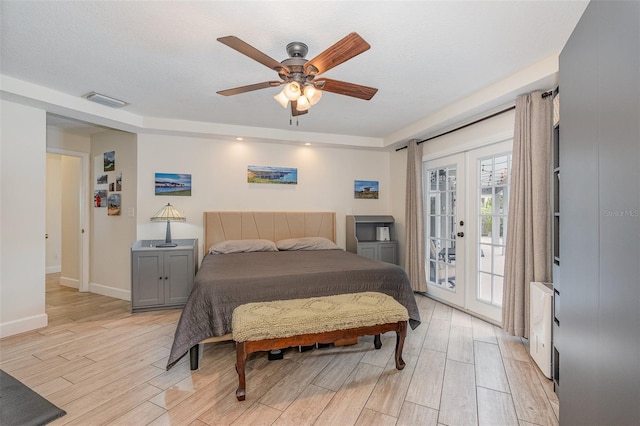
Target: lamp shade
[(303, 104), (292, 91), (282, 99), (312, 94), (168, 214)]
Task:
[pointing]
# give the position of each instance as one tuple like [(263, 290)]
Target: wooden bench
[(264, 326)]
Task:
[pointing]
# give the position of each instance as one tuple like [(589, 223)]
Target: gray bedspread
[(226, 281)]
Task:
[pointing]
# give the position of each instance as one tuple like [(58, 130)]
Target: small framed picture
[(173, 184), (109, 161), (366, 189), (113, 205), (100, 198)]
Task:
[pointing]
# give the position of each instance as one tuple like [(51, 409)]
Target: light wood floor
[(104, 365)]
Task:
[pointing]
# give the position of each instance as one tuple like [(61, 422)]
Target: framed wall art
[(268, 174), (173, 184), (366, 189)]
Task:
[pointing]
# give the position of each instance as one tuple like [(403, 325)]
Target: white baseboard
[(23, 325), (53, 269), (70, 282), (104, 290)]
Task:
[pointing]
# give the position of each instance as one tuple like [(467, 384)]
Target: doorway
[(68, 216), (466, 207)]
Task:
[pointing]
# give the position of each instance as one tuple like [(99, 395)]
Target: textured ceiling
[(163, 57)]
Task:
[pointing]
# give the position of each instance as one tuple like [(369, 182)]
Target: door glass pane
[(484, 287), (433, 180), (433, 251), (497, 290), (501, 169), (485, 258), (493, 204), (441, 227), (502, 231), (486, 170), (442, 179), (452, 179)]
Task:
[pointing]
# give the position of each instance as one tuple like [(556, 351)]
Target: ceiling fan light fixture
[(297, 74), (292, 90), (303, 104), (282, 99), (312, 94)]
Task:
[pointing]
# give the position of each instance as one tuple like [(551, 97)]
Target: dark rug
[(20, 406)]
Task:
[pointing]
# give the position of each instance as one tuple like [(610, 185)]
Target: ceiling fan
[(303, 86)]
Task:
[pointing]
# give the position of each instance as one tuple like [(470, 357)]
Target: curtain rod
[(544, 95)]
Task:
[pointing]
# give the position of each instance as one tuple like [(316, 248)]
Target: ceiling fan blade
[(294, 111), (344, 88), (350, 46), (250, 51), (249, 88)]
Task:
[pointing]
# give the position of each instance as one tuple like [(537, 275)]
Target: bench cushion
[(286, 318)]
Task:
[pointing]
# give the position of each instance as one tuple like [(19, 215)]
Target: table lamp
[(170, 214)]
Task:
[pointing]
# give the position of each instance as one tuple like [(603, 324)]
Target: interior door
[(74, 196), (444, 226)]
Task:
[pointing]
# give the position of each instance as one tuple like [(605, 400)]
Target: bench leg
[(400, 335), (193, 356), (377, 343), (241, 357)]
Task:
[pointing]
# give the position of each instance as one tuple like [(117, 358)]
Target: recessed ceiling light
[(239, 138), (307, 143), (105, 100)]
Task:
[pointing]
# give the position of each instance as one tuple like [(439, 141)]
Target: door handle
[(460, 234)]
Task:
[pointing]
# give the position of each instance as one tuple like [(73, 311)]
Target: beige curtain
[(528, 253), (414, 219)]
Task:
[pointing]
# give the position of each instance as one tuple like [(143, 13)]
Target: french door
[(444, 225), (466, 206)]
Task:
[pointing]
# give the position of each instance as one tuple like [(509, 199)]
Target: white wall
[(22, 218), (60, 139), (493, 130), (53, 227), (111, 236), (219, 181)]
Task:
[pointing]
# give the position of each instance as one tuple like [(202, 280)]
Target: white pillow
[(242, 246), (307, 243)]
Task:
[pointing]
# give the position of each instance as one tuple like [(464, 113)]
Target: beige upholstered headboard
[(274, 226)]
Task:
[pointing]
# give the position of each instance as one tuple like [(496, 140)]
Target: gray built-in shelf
[(361, 237), (555, 328)]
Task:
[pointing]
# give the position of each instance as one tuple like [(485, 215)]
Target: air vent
[(105, 100)]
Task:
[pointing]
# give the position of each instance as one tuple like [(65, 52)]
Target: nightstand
[(162, 277)]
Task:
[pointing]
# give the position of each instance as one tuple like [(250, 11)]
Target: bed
[(306, 263)]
